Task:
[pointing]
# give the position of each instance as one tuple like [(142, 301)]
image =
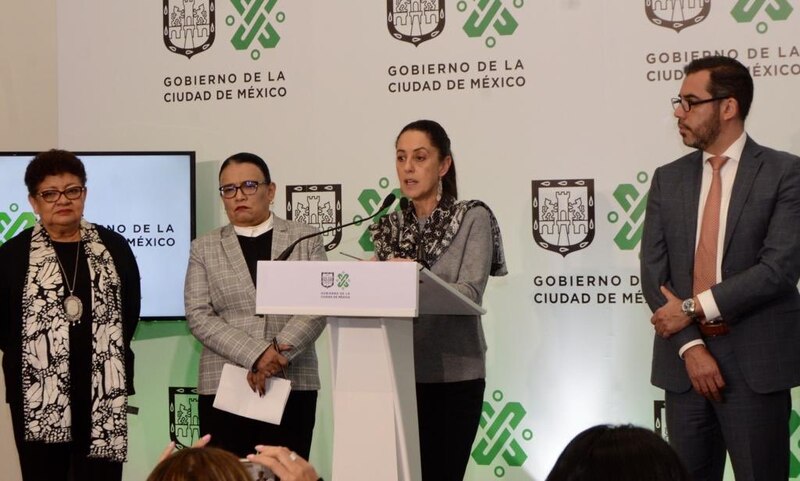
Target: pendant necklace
[(73, 307)]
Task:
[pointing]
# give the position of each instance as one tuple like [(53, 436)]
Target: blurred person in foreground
[(618, 453)]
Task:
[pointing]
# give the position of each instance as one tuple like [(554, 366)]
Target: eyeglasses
[(687, 104), (52, 196), (248, 187)]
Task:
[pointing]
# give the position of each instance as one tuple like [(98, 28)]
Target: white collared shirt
[(727, 175), (256, 230)]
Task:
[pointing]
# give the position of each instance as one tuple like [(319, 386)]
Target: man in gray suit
[(220, 300), (720, 264)]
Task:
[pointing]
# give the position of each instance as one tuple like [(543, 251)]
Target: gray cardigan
[(452, 348)]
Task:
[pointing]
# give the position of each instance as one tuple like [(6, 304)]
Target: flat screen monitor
[(148, 197)]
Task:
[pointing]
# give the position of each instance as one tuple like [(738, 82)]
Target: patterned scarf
[(399, 234), (45, 354)]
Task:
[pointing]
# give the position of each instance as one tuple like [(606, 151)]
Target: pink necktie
[(705, 259)]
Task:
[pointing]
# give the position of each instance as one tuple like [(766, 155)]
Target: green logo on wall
[(10, 227), (498, 436), (254, 23), (370, 200), (633, 203), (746, 10), (794, 446), (489, 13)]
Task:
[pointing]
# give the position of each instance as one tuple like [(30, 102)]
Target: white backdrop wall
[(28, 121), (578, 90)]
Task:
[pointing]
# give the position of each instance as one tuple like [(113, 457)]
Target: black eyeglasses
[(248, 187), (52, 196), (687, 104)]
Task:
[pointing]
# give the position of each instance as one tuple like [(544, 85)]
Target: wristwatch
[(688, 308)]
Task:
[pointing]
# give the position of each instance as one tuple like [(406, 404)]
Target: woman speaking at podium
[(460, 242)]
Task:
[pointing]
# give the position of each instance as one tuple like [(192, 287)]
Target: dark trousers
[(448, 421), (62, 461), (752, 427), (240, 435)]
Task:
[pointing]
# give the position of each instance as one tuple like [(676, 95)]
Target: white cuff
[(710, 309), (690, 344)]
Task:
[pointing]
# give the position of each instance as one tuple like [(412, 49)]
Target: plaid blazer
[(220, 301)]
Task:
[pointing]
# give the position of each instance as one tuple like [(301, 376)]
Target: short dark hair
[(52, 162), (440, 140), (618, 453), (729, 78), (247, 158), (192, 464)]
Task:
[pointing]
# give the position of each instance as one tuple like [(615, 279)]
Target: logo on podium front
[(189, 26), (327, 280), (415, 21), (675, 14), (563, 214)]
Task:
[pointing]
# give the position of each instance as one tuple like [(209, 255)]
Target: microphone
[(387, 202)]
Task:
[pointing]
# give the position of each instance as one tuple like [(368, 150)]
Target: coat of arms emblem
[(319, 205), (677, 14), (563, 214), (184, 420), (188, 26), (415, 21)]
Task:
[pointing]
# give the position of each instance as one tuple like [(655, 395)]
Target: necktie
[(705, 259)]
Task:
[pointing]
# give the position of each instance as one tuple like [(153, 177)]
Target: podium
[(370, 308)]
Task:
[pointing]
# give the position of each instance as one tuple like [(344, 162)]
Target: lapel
[(233, 251), (749, 165), (280, 235), (691, 199)]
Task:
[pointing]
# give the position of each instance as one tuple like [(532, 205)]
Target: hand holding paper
[(235, 395)]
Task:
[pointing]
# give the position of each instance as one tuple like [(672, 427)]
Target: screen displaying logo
[(254, 24), (745, 11), (11, 226), (188, 26), (184, 421), (415, 21), (633, 201), (498, 437), (677, 14), (489, 17), (563, 214), (319, 205)]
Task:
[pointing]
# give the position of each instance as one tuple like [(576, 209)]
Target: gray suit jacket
[(220, 300), (760, 264)]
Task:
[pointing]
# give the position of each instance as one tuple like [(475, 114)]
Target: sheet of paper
[(235, 396)]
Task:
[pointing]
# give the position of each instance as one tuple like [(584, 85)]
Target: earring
[(439, 191)]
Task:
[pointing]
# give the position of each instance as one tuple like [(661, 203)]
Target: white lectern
[(370, 306)]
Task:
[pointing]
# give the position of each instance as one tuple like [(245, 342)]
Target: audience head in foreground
[(618, 453)]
